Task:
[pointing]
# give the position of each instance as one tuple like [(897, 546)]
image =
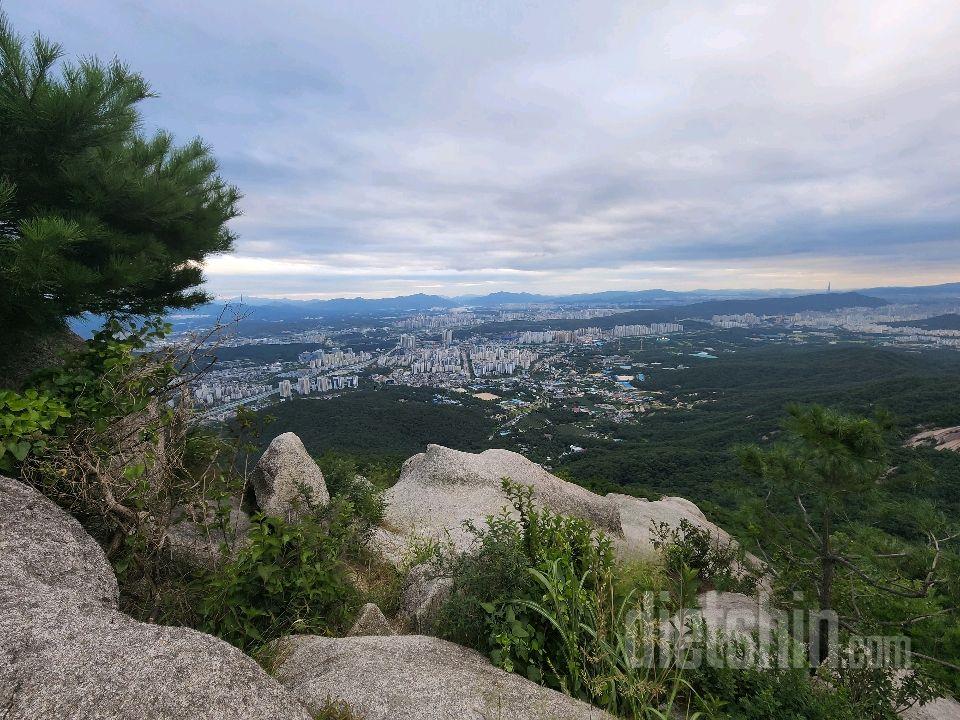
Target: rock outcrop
[(724, 614), (940, 709), (424, 593), (67, 652), (42, 548), (371, 621), (413, 677), (639, 517), (197, 537), (442, 488), (286, 478)]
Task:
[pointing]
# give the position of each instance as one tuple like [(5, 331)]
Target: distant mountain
[(665, 305), (650, 298), (758, 306), (785, 305), (919, 294), (950, 321), (701, 311)]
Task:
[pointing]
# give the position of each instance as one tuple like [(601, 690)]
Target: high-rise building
[(303, 385), (285, 389), (408, 342), (448, 337)]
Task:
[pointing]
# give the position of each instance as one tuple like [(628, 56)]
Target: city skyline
[(460, 149)]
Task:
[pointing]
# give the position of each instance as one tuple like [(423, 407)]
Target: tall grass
[(571, 629)]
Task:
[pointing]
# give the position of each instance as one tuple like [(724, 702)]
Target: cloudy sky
[(464, 147)]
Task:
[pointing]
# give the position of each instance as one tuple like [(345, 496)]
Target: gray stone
[(198, 539), (723, 615), (371, 621), (286, 476), (66, 652), (42, 545), (639, 517), (63, 660), (424, 593), (441, 488), (945, 708), (413, 677)]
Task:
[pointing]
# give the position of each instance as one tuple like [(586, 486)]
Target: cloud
[(386, 147)]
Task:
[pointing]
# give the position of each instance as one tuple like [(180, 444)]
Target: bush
[(25, 420), (540, 596), (336, 710), (719, 565), (288, 578), (760, 694), (496, 572)]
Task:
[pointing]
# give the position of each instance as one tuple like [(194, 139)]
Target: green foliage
[(539, 595), (719, 565), (336, 710), (362, 488), (114, 376), (492, 575), (761, 693), (384, 426), (288, 578), (95, 217), (25, 420)]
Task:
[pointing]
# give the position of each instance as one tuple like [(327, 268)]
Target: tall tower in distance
[(828, 286)]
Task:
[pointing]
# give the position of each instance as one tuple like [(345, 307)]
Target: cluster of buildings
[(437, 360), (591, 334), (447, 320), (886, 321), (331, 359), (305, 384), (625, 331), (499, 360), (215, 393)]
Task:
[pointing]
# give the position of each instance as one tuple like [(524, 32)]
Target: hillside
[(392, 422), (701, 311), (950, 321)]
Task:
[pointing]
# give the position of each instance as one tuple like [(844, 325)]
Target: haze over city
[(461, 148)]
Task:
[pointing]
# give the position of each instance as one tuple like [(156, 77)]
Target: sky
[(454, 147)]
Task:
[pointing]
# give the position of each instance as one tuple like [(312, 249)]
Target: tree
[(827, 461), (95, 216)]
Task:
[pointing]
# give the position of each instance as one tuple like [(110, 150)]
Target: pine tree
[(95, 216)]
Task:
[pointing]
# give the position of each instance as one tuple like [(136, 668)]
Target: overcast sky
[(464, 147)]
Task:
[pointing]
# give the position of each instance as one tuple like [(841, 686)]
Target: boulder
[(371, 621), (41, 546), (945, 708), (413, 677), (722, 615), (286, 477), (59, 659), (441, 488), (424, 593), (639, 517), (67, 652), (197, 538)]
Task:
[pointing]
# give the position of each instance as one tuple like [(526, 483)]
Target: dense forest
[(392, 423)]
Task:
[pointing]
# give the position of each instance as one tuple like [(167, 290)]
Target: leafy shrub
[(496, 572), (288, 578), (719, 565), (25, 420), (546, 585), (763, 693)]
